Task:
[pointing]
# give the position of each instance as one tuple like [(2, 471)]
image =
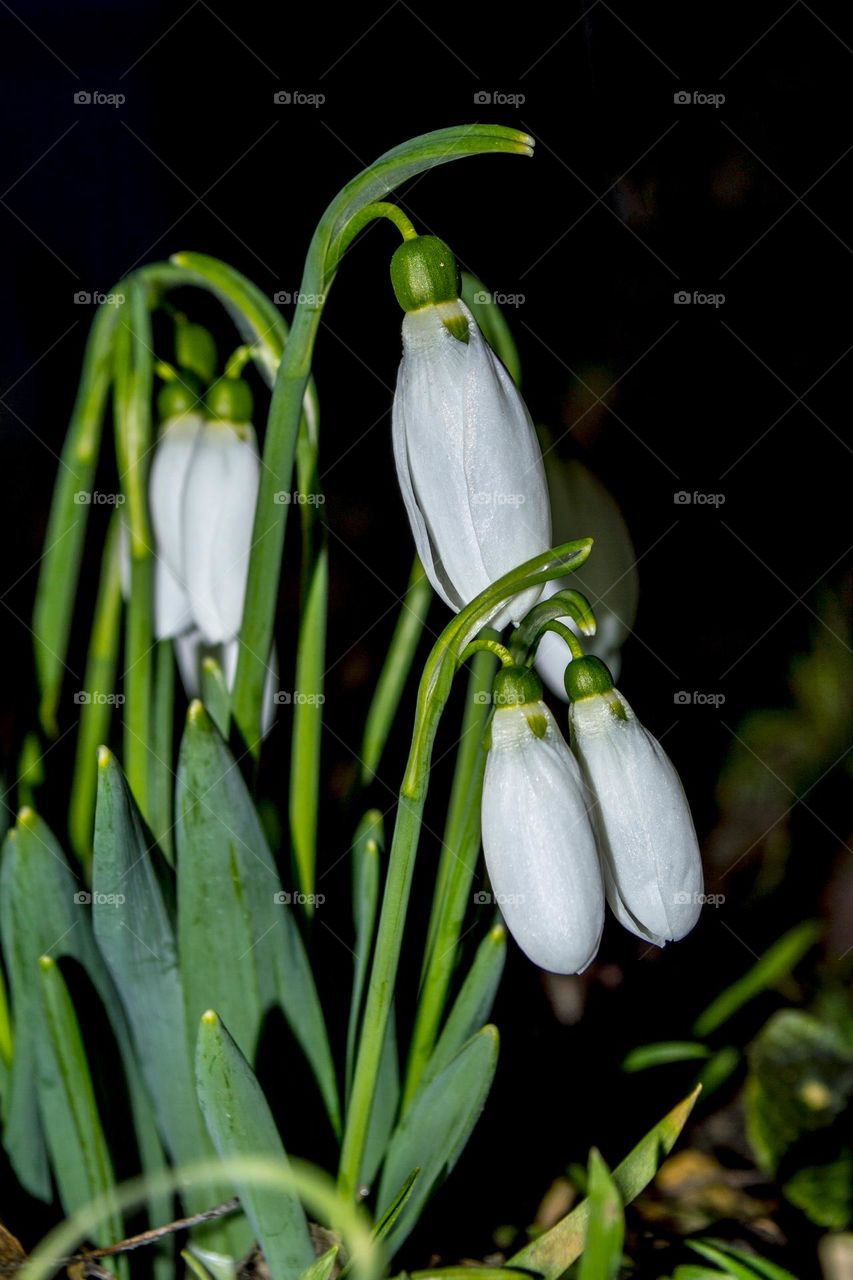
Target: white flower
[(468, 462), (219, 498), (581, 505), (646, 838), (172, 459), (538, 841)]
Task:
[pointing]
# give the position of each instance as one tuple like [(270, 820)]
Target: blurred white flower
[(581, 506)]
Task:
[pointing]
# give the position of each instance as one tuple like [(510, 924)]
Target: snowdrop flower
[(649, 852), (581, 504), (218, 508), (467, 457), (183, 422), (537, 838)]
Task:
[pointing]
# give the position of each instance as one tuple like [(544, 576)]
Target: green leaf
[(241, 1124), (386, 1221), (78, 1149), (825, 1192), (386, 1100), (367, 846), (553, 1252), (655, 1055), (718, 1070), (395, 671), (602, 1255), (323, 1267), (162, 783), (776, 963), (492, 322), (240, 947), (95, 715), (474, 1002), (434, 1132), (738, 1263), (66, 529), (307, 704), (800, 1080), (215, 695), (136, 937)]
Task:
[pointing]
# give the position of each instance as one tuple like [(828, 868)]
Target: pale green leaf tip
[(46, 963), (104, 757), (27, 816), (210, 664), (196, 713), (497, 933), (210, 1018)]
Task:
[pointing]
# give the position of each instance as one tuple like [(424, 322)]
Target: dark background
[(631, 197)]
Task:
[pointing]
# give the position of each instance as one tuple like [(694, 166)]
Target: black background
[(631, 197)]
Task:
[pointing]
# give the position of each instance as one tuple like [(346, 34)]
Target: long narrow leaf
[(78, 1148), (241, 1124), (307, 702), (553, 1252), (474, 1003), (367, 845), (240, 946), (436, 1129), (602, 1255), (776, 963), (395, 671)]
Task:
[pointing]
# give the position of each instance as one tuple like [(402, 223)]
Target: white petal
[(172, 613), (169, 469), (539, 844), (428, 417), (646, 832), (504, 471), (219, 508), (468, 462)]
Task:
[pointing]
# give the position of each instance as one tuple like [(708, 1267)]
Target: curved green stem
[(457, 865), (392, 168), (560, 629), (380, 209), (488, 646), (566, 603)]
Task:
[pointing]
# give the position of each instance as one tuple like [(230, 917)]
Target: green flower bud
[(587, 678), (516, 687), (179, 396), (230, 399), (424, 273), (195, 349)]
